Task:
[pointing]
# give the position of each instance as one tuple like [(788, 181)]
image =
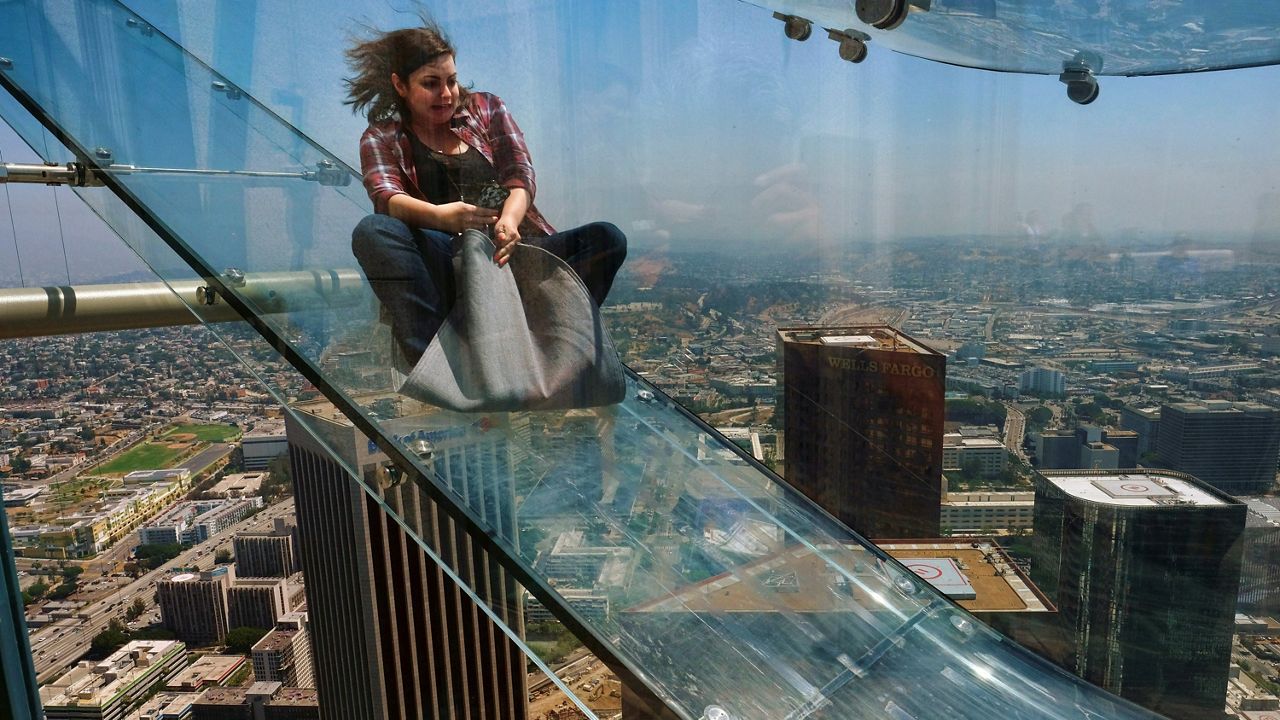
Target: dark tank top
[(450, 178)]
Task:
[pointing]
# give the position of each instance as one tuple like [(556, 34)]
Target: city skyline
[(810, 152), (975, 216)]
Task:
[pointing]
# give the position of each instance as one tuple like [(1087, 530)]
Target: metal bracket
[(231, 91), (140, 26)]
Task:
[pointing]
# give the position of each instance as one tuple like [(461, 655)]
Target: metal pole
[(36, 312), (78, 174)]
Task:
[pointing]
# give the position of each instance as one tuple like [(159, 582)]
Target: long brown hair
[(398, 51)]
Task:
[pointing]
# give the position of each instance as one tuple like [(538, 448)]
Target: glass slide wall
[(1080, 268)]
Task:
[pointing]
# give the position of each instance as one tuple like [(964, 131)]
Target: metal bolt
[(231, 91), (963, 624), (6, 63), (145, 29), (103, 153), (906, 585)]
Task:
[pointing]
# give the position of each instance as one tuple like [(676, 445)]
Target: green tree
[(109, 640), (135, 610), (222, 557), (154, 555), (1038, 418), (37, 590), (278, 483), (241, 640), (62, 591)]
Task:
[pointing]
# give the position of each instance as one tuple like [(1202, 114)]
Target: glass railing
[(711, 588)]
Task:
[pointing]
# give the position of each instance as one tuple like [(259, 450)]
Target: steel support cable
[(22, 281), (57, 208)]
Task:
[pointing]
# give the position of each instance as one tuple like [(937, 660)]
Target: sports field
[(206, 433), (144, 456)]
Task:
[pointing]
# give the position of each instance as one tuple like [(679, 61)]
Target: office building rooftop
[(977, 574), (1138, 489), (872, 337), (99, 684)]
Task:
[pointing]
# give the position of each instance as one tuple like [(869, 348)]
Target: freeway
[(1015, 426), (57, 647)]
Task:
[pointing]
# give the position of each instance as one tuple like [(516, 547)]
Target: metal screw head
[(6, 63), (422, 448), (234, 276), (906, 585), (963, 624), (715, 712), (103, 153)]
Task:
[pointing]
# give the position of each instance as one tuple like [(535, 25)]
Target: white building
[(110, 689), (988, 453), (262, 444), (987, 512), (1043, 381)]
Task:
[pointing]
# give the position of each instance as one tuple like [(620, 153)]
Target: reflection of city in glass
[(962, 315)]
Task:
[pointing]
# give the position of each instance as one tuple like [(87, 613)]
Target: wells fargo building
[(863, 409)]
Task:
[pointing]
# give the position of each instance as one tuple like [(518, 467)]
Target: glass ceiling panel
[(703, 613), (1148, 37)]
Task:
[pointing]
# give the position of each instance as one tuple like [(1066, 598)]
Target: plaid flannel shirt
[(482, 121)]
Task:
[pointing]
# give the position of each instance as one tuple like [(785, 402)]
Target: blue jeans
[(411, 270)]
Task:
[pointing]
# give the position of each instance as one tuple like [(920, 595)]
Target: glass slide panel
[(693, 602), (1148, 37)]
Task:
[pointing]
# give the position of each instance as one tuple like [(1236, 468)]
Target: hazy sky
[(699, 124)]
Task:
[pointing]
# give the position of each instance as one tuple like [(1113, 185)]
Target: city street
[(57, 647)]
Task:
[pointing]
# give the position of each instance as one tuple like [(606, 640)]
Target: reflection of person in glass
[(439, 159)]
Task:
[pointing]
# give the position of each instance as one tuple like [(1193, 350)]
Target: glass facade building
[(1111, 549), (863, 421)]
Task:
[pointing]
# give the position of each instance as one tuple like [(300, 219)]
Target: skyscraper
[(266, 554), (256, 602), (1233, 446), (863, 412), (194, 605), (19, 697), (393, 635), (1043, 381), (1144, 568)]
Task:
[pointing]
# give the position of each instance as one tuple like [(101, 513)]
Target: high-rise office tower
[(393, 636), (1043, 381), (19, 696), (284, 655), (1233, 446), (1145, 569), (1260, 569), (266, 554), (863, 412), (194, 605), (256, 602), (1145, 422)]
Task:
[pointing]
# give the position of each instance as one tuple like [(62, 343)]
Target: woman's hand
[(506, 234), (455, 217)]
